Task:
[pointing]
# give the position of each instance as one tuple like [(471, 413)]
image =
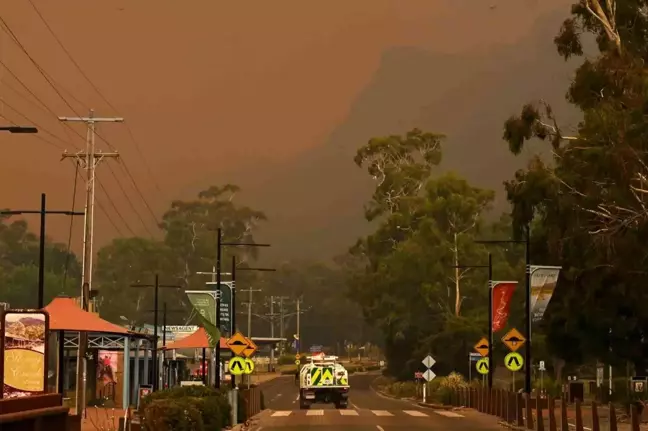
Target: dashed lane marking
[(381, 413), (415, 413), (281, 413), (448, 414), (315, 413), (349, 412)]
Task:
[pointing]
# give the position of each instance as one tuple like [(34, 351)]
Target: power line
[(10, 32), (7, 29), (40, 127), (96, 89), (101, 186), (123, 164), (69, 244), (51, 82), (103, 210), (110, 169)]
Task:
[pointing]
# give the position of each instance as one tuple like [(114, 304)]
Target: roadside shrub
[(182, 414), (402, 389), (383, 381), (446, 386), (453, 381), (211, 403)]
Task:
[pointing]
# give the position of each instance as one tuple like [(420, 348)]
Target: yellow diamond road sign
[(238, 343), (482, 347), (513, 340), (251, 348)]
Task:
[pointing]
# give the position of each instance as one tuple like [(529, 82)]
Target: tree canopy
[(587, 202), (19, 266)]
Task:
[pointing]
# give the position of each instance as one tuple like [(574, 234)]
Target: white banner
[(543, 285)]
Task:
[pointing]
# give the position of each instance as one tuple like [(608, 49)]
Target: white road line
[(315, 413), (297, 399), (448, 414), (380, 428), (348, 412), (415, 413), (281, 413), (381, 413)]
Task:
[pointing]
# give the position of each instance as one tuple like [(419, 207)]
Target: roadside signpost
[(428, 375), (242, 349), (513, 340), (472, 357)]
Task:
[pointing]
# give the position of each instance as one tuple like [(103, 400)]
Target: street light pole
[(164, 331), (527, 303), (156, 295), (491, 367), (18, 129), (41, 244), (219, 245)]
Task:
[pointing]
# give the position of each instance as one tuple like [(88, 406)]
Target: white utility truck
[(323, 380)]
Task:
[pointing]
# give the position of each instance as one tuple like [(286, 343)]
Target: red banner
[(502, 295)]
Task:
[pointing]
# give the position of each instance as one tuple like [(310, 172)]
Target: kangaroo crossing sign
[(482, 347), (513, 340)]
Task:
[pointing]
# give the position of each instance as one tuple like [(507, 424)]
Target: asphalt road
[(367, 411)]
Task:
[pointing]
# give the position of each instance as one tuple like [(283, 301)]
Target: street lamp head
[(19, 129)]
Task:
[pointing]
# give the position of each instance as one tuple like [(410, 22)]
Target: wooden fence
[(513, 408), (252, 400)]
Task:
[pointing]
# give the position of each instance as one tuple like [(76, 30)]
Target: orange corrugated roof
[(66, 315), (197, 340)]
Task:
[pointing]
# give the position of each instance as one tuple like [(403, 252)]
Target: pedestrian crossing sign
[(482, 366)]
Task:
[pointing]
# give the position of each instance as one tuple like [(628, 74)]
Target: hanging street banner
[(225, 306), (502, 296), (543, 284), (204, 302)]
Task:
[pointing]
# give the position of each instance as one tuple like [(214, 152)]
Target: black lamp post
[(18, 129)]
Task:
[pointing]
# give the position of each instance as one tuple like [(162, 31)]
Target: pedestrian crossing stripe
[(363, 412)]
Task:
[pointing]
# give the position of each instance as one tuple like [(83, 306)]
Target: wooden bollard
[(528, 411), (539, 414), (480, 406), (496, 402), (635, 418), (596, 426), (551, 407), (613, 418), (519, 409), (579, 416), (564, 423)]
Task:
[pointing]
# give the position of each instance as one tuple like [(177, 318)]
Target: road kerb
[(434, 406)]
